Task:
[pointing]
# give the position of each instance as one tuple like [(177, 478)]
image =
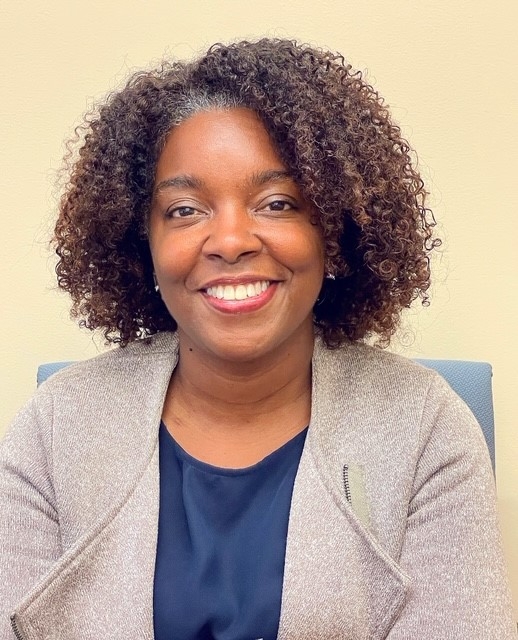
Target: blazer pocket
[(338, 581)]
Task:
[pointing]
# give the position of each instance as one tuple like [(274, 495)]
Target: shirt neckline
[(269, 460)]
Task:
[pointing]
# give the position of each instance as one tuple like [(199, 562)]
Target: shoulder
[(120, 391), (138, 359), (370, 372), (380, 407), (108, 381)]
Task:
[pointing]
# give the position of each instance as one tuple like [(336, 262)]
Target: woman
[(246, 467)]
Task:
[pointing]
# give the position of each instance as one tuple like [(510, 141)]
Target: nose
[(232, 235)]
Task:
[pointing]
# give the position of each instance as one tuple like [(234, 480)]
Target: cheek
[(172, 257), (307, 250), (300, 240)]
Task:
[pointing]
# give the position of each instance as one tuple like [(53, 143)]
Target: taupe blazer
[(392, 533)]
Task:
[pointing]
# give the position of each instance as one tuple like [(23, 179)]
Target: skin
[(226, 212)]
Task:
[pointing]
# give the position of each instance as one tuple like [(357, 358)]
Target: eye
[(277, 204), (184, 211)]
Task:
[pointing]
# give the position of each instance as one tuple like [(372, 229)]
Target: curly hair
[(333, 132)]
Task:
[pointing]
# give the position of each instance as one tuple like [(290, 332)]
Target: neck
[(235, 413)]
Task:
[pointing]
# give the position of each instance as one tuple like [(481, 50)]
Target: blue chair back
[(470, 380), (49, 368)]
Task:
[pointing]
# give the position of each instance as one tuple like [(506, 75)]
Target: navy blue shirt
[(221, 544)]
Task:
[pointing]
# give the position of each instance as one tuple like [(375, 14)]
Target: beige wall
[(446, 67)]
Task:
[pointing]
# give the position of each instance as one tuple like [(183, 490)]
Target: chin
[(251, 344), (244, 350)]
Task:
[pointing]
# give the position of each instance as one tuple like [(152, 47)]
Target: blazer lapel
[(338, 581)]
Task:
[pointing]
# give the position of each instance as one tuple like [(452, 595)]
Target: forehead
[(219, 140)]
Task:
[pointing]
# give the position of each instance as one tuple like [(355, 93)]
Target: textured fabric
[(221, 544), (409, 549)]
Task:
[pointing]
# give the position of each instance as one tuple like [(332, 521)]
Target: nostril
[(232, 245), (231, 257)]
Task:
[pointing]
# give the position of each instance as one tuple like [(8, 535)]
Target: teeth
[(239, 292), (229, 293)]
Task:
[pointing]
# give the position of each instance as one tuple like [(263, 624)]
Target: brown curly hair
[(333, 132)]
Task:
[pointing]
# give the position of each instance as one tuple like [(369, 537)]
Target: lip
[(247, 305)]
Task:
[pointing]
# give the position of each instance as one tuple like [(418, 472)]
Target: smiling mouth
[(238, 292)]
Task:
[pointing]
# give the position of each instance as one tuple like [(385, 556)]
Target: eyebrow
[(179, 182), (259, 179), (272, 175)]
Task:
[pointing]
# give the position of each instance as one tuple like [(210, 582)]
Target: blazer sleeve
[(29, 527), (452, 548)]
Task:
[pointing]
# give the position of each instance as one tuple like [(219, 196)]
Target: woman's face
[(238, 261)]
